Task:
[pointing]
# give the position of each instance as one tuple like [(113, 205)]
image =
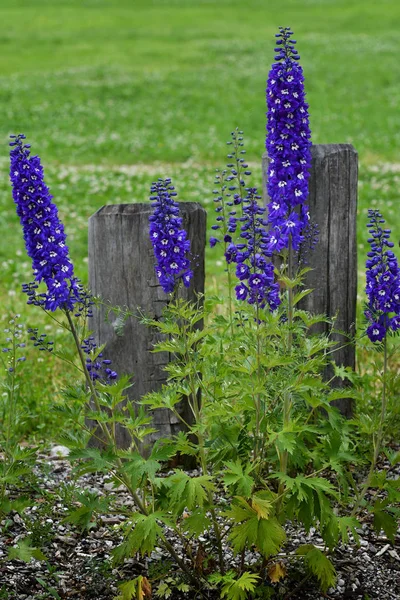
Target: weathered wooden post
[(121, 272), (333, 204)]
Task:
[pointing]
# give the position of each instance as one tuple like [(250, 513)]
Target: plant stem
[(287, 400), (142, 508), (379, 437), (258, 395), (230, 309), (203, 462)]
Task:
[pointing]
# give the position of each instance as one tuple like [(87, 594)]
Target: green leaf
[(163, 590), (52, 591), (142, 538), (197, 522), (239, 479), (252, 528), (95, 460), (236, 589), (348, 524), (319, 565), (300, 295), (261, 505), (17, 505), (83, 517), (191, 492), (25, 552), (270, 536), (385, 521), (128, 590), (244, 534), (138, 467)]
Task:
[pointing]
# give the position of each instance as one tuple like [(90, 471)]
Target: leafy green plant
[(268, 444), (16, 459)]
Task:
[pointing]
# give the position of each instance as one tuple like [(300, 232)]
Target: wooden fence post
[(121, 272), (333, 203)]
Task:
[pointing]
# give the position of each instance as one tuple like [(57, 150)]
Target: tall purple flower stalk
[(288, 145), (230, 184), (43, 231), (383, 281), (168, 238), (45, 244), (253, 269)]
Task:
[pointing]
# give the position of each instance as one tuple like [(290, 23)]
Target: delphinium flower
[(98, 367), (229, 193), (13, 343), (383, 281), (288, 146), (169, 240), (43, 232), (253, 269), (310, 239), (45, 244)]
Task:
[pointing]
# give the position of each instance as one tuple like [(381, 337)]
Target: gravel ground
[(78, 564)]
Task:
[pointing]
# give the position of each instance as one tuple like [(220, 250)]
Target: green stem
[(230, 309), (258, 396), (122, 478), (203, 463), (379, 437), (287, 399)]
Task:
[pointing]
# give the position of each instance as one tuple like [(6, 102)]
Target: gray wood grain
[(121, 272), (333, 205)]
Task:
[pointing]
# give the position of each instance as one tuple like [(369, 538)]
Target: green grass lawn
[(115, 93)]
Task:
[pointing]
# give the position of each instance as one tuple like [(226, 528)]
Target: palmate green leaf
[(137, 467), (348, 524), (244, 534), (112, 395), (251, 527), (318, 565), (174, 345), (261, 503), (188, 491), (393, 457), (128, 590), (385, 521), (311, 319), (318, 484), (135, 589), (17, 505), (91, 504), (270, 537), (25, 552), (168, 397), (237, 589), (162, 450), (286, 441), (166, 327), (343, 372), (195, 336), (184, 446), (95, 460), (238, 478), (197, 522), (142, 538)]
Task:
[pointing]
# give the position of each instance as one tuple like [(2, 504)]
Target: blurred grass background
[(115, 93)]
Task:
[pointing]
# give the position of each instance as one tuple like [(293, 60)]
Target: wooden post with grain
[(121, 272), (333, 204)]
